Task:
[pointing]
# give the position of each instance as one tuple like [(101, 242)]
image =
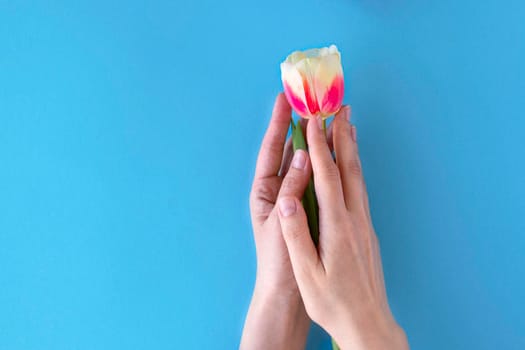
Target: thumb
[(301, 248)]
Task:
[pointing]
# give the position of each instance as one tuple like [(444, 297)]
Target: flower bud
[(313, 81)]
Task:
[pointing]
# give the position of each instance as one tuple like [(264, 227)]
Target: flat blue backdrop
[(128, 137)]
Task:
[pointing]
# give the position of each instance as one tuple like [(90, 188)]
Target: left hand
[(274, 270), (277, 318)]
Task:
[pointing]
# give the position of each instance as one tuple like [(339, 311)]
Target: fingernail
[(299, 159), (287, 207), (319, 122), (347, 113), (354, 133)]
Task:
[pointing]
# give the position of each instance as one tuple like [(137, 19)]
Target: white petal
[(292, 77), (327, 70)]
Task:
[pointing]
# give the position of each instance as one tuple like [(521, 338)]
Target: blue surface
[(128, 137)]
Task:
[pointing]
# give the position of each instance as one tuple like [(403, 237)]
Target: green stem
[(309, 198), (334, 344)]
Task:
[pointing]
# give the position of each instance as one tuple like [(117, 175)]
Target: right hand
[(341, 282)]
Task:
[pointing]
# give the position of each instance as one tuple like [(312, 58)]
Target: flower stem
[(309, 199), (334, 344)]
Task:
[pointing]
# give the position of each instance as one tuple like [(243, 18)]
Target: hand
[(341, 282), (277, 318)]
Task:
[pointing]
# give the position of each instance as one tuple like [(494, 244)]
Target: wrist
[(373, 331), (281, 304), (393, 338), (278, 291), (276, 320)]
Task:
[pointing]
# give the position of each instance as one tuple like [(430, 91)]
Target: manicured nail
[(287, 207), (299, 159), (354, 133), (319, 121)]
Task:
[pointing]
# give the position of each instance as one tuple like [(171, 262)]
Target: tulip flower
[(313, 81)]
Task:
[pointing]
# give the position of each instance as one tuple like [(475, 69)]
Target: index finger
[(327, 180), (271, 152)]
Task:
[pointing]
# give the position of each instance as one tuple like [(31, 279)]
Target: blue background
[(128, 137)]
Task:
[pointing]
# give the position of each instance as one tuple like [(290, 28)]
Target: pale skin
[(338, 284)]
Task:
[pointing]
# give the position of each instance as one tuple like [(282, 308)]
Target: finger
[(326, 174), (288, 147), (294, 226), (271, 152), (329, 133), (297, 177), (262, 198), (287, 157), (348, 163)]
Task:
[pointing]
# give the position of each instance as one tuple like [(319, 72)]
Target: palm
[(273, 262)]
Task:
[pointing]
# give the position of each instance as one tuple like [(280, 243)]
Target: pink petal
[(333, 97), (295, 102), (311, 101)]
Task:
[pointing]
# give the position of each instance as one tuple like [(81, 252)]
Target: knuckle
[(272, 147), (291, 182), (294, 233), (262, 191), (354, 167), (329, 171), (261, 210)]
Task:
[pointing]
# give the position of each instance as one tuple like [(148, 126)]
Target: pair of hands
[(338, 284)]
